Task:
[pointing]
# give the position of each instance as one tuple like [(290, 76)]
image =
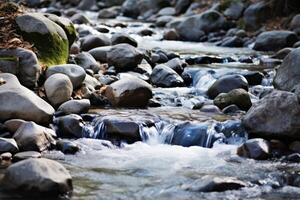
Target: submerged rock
[(258, 149), (39, 177), (18, 102)]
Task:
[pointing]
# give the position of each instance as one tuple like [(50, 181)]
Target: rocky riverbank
[(115, 80)]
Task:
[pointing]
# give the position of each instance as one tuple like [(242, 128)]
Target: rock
[(79, 18), (66, 25), (227, 83), (163, 20), (93, 41), (120, 38), (295, 146), (69, 126), (177, 65), (194, 27), (129, 92), (87, 4), (39, 177), (100, 53), (164, 76), (215, 184), (124, 57), (67, 147), (234, 10), (238, 97), (189, 134), (74, 72), (58, 88), (26, 155), (146, 32), (182, 5), (210, 109), (6, 156), (171, 35), (109, 13), (8, 145), (274, 116), (75, 106), (275, 40), (167, 11), (232, 42), (256, 14), (281, 54), (295, 24), (14, 98), (253, 77), (288, 75), (232, 109), (13, 125), (22, 63), (48, 38), (33, 137), (110, 3), (258, 149), (87, 61)]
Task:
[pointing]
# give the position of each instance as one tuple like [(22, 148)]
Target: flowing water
[(155, 169)]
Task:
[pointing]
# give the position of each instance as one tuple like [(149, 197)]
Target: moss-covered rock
[(48, 38)]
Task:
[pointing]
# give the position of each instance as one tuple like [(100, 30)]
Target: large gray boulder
[(74, 72), (274, 116), (164, 76), (75, 106), (58, 88), (22, 63), (18, 102), (288, 74), (129, 92), (124, 57), (33, 137), (275, 40), (38, 177), (194, 27)]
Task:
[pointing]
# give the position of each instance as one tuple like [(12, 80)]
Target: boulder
[(67, 147), (26, 155), (93, 41), (129, 92), (39, 177), (194, 27), (18, 102), (33, 137), (22, 63), (100, 53), (120, 38), (124, 57), (295, 24), (87, 61), (48, 37), (8, 145), (109, 13), (58, 88), (275, 40), (13, 125), (238, 97), (288, 75), (177, 65), (164, 76), (274, 116), (75, 106), (234, 10), (74, 72), (227, 83), (69, 126), (182, 5), (258, 149)]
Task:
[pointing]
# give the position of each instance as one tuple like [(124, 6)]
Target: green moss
[(9, 58), (52, 49)]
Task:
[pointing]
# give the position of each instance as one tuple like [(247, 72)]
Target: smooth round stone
[(25, 155)]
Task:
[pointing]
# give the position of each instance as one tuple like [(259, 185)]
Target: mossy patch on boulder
[(48, 38)]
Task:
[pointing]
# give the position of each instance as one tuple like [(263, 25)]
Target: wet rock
[(258, 149), (163, 20), (181, 6), (294, 157), (274, 116), (26, 155), (210, 109), (124, 57), (281, 54), (120, 38), (100, 53), (109, 13), (87, 61), (58, 88), (14, 98), (35, 27), (288, 75), (8, 145), (164, 76), (234, 10), (146, 32), (275, 40), (129, 92), (93, 41), (227, 83), (39, 177), (253, 77), (232, 42), (215, 184), (194, 27), (67, 147), (187, 78), (87, 4), (167, 11), (75, 106), (33, 137), (177, 65), (295, 24), (295, 146), (171, 35), (231, 109), (13, 124), (69, 126), (22, 63), (188, 134), (79, 18), (238, 97), (256, 14)]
